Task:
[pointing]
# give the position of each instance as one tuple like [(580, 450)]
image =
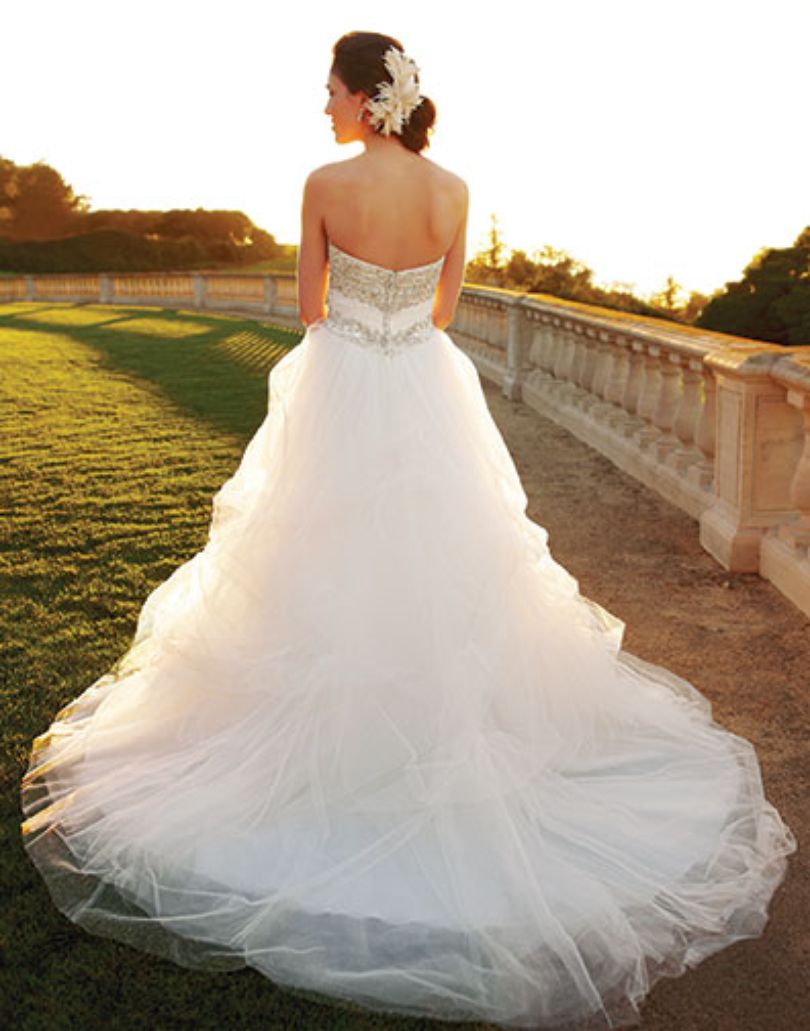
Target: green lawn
[(117, 426)]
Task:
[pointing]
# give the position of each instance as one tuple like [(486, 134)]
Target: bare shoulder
[(332, 172), (320, 179), (451, 181), (450, 178)]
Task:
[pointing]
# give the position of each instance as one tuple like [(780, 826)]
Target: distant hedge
[(115, 250)]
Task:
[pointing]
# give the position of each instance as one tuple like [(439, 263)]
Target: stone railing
[(274, 294), (718, 425)]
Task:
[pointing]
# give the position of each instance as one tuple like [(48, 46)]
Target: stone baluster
[(669, 395), (468, 325), (687, 414), (617, 381), (590, 365), (477, 319), (568, 386), (552, 350), (617, 371), (604, 380), (484, 323), (646, 431), (561, 354), (580, 362), (601, 356), (553, 344), (479, 334), (702, 472), (536, 334), (577, 354), (632, 386), (549, 349)]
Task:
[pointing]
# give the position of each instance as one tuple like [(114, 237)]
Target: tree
[(695, 303), (667, 297), (233, 227), (558, 272), (36, 203), (495, 249), (771, 301)]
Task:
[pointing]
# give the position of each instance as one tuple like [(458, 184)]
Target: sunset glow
[(645, 138)]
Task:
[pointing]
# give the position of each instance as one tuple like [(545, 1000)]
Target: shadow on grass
[(214, 367)]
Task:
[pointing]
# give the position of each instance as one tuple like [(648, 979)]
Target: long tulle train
[(373, 741)]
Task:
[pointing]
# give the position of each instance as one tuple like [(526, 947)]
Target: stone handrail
[(718, 425)]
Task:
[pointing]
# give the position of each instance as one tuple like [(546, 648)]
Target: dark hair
[(358, 63)]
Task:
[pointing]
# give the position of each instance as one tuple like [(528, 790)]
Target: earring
[(360, 115)]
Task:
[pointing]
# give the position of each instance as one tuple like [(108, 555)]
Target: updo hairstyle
[(358, 63)]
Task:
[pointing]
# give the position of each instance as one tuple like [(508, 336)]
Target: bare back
[(393, 208), (399, 213)]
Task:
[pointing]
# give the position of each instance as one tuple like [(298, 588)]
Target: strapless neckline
[(384, 268)]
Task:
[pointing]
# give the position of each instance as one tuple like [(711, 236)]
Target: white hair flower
[(394, 102)]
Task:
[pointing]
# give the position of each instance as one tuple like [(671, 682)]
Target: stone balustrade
[(274, 294), (718, 425)]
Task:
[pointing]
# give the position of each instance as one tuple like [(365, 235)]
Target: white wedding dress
[(374, 743)]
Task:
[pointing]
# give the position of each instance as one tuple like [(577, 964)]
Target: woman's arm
[(312, 268), (448, 288)]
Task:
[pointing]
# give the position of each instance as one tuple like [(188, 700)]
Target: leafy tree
[(771, 301), (36, 203), (46, 227), (695, 303), (549, 271)]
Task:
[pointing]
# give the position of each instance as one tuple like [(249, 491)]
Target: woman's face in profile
[(342, 107)]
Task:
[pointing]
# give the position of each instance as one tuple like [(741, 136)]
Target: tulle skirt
[(373, 742)]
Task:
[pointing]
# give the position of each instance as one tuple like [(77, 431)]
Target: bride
[(371, 740)]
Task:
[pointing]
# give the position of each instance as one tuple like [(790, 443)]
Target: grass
[(117, 426)]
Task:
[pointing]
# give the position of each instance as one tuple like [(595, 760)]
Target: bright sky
[(645, 137)]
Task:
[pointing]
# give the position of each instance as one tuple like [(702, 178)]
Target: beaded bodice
[(385, 309)]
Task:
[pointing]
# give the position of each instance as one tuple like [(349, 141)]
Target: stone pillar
[(618, 372), (270, 292), (515, 359), (632, 385), (758, 440), (198, 283), (785, 552), (797, 533)]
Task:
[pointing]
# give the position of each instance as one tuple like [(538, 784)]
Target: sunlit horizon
[(645, 140)]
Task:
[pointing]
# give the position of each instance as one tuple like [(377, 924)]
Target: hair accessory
[(394, 102)]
